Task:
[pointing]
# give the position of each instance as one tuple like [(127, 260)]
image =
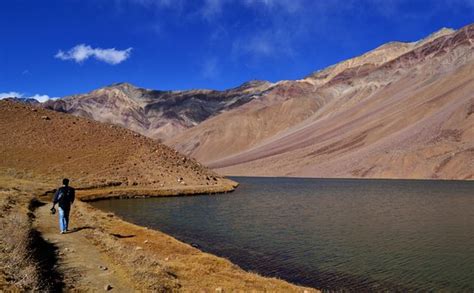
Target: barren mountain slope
[(361, 122), (156, 114), (39, 142)]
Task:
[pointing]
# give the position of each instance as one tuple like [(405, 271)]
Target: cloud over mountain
[(38, 97), (82, 52)]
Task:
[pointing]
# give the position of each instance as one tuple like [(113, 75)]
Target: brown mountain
[(402, 110), (44, 144), (157, 114)]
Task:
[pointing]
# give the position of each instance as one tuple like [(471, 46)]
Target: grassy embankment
[(151, 260)]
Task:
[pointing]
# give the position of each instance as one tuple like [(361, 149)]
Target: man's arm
[(73, 194), (56, 197)]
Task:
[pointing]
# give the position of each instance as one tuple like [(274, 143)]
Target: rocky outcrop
[(157, 114)]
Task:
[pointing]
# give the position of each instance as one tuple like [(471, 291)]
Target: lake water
[(328, 233)]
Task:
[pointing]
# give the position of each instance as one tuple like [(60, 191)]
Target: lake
[(328, 233)]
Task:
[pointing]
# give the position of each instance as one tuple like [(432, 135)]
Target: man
[(64, 197)]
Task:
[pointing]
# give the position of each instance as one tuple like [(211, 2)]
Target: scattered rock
[(103, 268), (146, 241), (167, 259), (138, 248), (45, 117), (219, 289), (108, 287)]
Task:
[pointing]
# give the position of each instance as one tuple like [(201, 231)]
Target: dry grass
[(152, 260), (18, 264), (158, 262), (20, 267)]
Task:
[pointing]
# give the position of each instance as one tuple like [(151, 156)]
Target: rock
[(138, 248), (45, 117), (146, 241), (219, 289), (108, 287), (167, 259), (103, 268)]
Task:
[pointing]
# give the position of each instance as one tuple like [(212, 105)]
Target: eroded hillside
[(38, 142)]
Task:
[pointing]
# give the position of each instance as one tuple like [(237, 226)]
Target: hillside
[(402, 110), (39, 142), (156, 114), (406, 115)]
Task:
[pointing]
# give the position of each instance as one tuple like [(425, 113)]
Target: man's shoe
[(63, 232)]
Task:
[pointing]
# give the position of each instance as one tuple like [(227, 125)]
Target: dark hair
[(65, 181)]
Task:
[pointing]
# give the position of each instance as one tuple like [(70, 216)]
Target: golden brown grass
[(156, 261), (19, 270)]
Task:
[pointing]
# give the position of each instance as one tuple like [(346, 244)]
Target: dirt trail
[(79, 261)]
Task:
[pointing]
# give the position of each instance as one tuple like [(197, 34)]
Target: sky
[(55, 48)]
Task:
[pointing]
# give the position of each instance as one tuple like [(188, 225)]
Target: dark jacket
[(64, 197)]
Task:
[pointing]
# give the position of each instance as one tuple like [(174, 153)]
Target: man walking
[(64, 197)]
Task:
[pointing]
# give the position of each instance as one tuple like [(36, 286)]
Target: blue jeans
[(63, 219)]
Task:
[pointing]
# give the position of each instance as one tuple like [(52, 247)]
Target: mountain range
[(402, 110)]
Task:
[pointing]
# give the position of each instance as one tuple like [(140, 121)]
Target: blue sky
[(58, 48)]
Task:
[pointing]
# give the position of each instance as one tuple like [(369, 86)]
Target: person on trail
[(64, 197)]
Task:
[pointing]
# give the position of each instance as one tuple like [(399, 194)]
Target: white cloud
[(270, 43), (210, 68), (42, 98), (10, 95), (82, 52), (39, 98), (212, 8)]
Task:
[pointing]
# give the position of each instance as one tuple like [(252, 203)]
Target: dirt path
[(82, 264)]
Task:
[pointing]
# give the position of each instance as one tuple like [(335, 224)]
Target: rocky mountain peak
[(441, 32)]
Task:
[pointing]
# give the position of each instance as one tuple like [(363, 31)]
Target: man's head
[(65, 182)]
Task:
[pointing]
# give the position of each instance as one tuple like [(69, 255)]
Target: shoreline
[(95, 194), (347, 178), (240, 279), (144, 259)]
